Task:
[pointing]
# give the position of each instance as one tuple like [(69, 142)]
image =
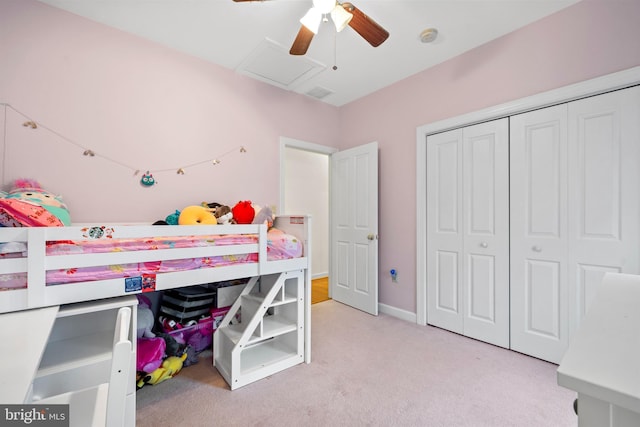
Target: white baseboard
[(397, 312)]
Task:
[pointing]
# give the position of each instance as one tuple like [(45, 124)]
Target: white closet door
[(539, 291), (467, 231), (485, 213), (444, 230), (604, 147)]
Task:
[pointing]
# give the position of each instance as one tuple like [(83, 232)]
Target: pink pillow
[(19, 213)]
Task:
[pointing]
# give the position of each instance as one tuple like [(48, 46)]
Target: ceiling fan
[(342, 14)]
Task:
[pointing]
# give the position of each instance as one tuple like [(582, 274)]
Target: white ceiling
[(254, 37)]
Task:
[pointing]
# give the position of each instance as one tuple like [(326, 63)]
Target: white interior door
[(539, 286), (354, 227)]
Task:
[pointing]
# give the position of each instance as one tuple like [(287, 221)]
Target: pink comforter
[(279, 246)]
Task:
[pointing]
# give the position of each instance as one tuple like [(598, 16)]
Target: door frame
[(598, 85), (286, 142)]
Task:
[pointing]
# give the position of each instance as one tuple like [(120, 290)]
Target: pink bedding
[(279, 246)]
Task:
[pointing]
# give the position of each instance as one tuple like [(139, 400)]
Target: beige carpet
[(371, 371)]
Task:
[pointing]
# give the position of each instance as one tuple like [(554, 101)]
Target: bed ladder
[(263, 332)]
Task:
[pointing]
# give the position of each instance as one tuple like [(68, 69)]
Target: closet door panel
[(604, 193), (538, 240), (542, 309), (486, 232), (444, 230)]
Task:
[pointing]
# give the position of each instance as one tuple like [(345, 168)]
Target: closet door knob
[(484, 245), (536, 249)]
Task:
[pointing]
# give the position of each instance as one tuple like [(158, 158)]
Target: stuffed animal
[(150, 353), (192, 357), (145, 317), (243, 212), (173, 346), (196, 215), (264, 216), (172, 219), (171, 366), (29, 205)]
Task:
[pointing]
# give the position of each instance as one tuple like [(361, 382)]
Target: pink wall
[(143, 106), (147, 107), (589, 39)]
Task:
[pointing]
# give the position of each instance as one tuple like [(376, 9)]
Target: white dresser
[(602, 363)]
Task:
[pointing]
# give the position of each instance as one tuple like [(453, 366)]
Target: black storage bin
[(186, 304)]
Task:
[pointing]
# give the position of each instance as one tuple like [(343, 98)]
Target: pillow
[(29, 205), (20, 213)]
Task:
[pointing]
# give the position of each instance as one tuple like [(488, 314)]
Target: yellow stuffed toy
[(169, 369)]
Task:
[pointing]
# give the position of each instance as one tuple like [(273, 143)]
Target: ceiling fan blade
[(302, 41), (370, 30)]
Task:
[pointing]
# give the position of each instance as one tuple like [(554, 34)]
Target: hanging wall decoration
[(147, 179)]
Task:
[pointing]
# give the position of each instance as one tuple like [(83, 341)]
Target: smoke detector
[(428, 35)]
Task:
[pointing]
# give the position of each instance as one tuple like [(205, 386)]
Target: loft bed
[(65, 283), (46, 266)]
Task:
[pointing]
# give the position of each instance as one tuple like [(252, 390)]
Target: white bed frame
[(36, 263), (45, 319)]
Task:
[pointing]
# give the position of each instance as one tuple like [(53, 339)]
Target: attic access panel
[(271, 63)]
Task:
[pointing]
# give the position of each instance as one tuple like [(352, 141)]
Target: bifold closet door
[(468, 231), (575, 213), (604, 193), (539, 282)]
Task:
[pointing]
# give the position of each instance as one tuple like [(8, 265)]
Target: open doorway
[(305, 189)]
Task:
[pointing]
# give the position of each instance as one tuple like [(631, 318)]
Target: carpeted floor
[(371, 371)]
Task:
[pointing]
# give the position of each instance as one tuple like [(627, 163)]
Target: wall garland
[(146, 180)]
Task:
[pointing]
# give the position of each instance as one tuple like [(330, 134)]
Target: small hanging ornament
[(180, 171), (147, 180), (89, 153), (243, 150)]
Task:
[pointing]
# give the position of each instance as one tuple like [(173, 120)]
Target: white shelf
[(258, 297), (264, 355), (76, 352), (272, 327)]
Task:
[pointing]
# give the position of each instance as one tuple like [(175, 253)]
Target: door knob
[(536, 249), (371, 236), (484, 245)]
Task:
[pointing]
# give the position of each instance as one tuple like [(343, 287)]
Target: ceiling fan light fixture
[(312, 20), (340, 17), (324, 6)]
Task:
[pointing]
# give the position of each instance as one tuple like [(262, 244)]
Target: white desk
[(24, 335), (602, 362)]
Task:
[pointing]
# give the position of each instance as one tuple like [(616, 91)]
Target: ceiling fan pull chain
[(335, 51)]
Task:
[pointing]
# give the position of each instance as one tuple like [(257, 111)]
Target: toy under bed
[(41, 266)]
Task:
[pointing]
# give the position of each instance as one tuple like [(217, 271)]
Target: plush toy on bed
[(197, 215), (243, 212), (29, 205), (224, 215), (264, 216)]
